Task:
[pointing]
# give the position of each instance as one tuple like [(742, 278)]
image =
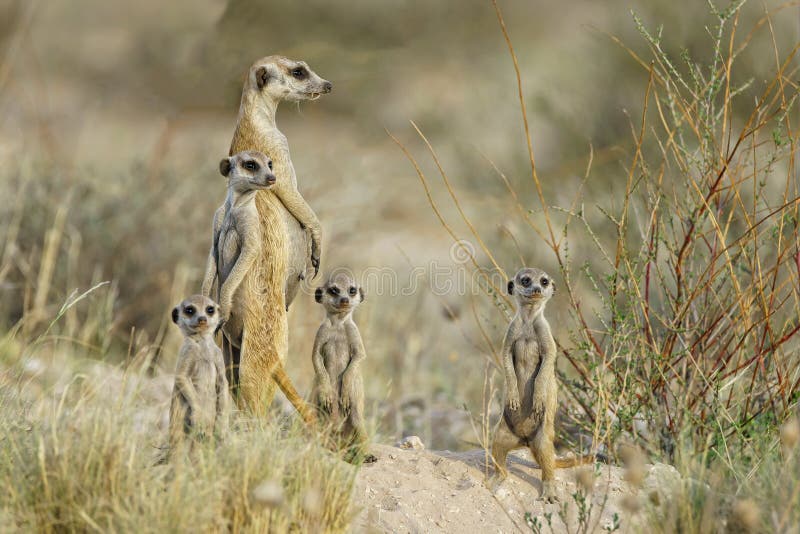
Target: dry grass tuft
[(82, 460)]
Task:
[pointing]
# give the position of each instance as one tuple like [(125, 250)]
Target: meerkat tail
[(575, 461), (285, 383)]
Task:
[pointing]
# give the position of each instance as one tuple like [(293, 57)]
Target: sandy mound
[(443, 491)]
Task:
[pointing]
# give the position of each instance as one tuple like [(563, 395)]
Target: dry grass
[(81, 456)]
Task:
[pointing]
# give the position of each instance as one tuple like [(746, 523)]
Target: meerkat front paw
[(344, 402), (326, 398), (549, 492), (316, 253), (315, 265), (220, 326)]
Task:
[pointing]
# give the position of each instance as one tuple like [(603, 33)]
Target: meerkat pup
[(199, 406), (337, 356), (235, 246), (236, 241), (529, 359)]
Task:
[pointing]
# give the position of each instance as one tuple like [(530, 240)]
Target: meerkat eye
[(189, 310), (333, 290), (269, 164), (353, 291), (210, 310), (250, 165), (525, 281), (544, 282), (299, 72)]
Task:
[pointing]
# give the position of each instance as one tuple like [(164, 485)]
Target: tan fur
[(529, 358), (235, 248), (199, 407), (562, 463), (278, 270), (337, 356)]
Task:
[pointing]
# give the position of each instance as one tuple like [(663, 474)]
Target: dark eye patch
[(210, 310), (544, 281), (189, 310), (526, 281), (251, 165), (333, 290), (269, 164), (300, 73), (353, 291)]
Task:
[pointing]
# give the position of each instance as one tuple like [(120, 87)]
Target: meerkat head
[(531, 286), (247, 171), (279, 78), (340, 294), (196, 315)]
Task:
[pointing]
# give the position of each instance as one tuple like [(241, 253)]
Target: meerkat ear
[(175, 315), (262, 77), (361, 292), (318, 294), (225, 166), (510, 287)]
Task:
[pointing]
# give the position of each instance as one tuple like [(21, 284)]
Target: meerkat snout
[(327, 87)]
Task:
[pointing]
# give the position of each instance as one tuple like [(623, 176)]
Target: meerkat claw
[(219, 327), (549, 492)]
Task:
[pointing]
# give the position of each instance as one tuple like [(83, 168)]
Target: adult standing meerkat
[(199, 407), (529, 362), (337, 356), (284, 218), (235, 246)]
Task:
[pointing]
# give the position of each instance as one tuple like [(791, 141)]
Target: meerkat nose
[(202, 320), (344, 300), (327, 87)]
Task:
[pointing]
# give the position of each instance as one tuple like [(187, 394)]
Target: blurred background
[(115, 115)]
